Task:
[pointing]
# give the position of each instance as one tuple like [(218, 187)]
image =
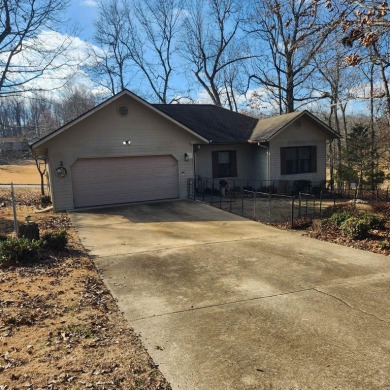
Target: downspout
[(195, 148)]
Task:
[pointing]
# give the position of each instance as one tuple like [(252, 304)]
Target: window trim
[(232, 161), (284, 162)]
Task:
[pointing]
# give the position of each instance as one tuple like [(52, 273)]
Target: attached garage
[(122, 151), (105, 181)]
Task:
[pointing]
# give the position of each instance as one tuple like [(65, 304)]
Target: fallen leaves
[(60, 327)]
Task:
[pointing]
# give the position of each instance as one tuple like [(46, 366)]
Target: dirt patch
[(23, 172), (60, 327)]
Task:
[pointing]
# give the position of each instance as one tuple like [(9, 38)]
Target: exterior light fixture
[(126, 142), (186, 157)]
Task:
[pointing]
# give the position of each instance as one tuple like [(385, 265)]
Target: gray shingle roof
[(217, 124), (220, 125), (268, 127)]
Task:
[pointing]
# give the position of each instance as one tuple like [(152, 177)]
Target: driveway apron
[(222, 302)]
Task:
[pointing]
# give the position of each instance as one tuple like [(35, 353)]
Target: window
[(298, 159), (224, 163)]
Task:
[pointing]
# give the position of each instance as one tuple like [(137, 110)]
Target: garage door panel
[(122, 180)]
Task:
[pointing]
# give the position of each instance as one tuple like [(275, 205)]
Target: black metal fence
[(265, 201)]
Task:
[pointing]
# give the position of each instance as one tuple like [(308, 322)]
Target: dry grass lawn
[(60, 328), (24, 172)]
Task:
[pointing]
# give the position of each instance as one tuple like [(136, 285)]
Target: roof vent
[(123, 111)]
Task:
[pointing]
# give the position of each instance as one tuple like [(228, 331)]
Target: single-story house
[(127, 150)]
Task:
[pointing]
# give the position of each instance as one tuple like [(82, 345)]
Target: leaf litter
[(60, 327)]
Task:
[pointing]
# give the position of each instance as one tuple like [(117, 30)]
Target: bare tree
[(112, 33), (75, 100), (138, 39), (153, 47), (212, 45), (41, 164), (41, 119), (287, 35), (24, 57)]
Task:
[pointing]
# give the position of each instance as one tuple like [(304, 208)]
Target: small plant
[(55, 241), (19, 250), (355, 227), (340, 216), (385, 245), (375, 221)]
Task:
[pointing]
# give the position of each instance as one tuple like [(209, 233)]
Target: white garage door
[(104, 181)]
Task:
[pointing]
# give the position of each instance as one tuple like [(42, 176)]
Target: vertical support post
[(242, 202), (194, 188), (230, 193), (269, 207), (16, 226), (204, 187), (254, 206), (299, 204), (292, 212), (212, 193), (321, 201), (314, 205)]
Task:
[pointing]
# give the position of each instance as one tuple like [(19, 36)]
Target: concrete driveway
[(225, 303)]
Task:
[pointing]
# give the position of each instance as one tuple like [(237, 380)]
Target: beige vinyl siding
[(102, 135), (245, 154), (260, 167), (305, 135)]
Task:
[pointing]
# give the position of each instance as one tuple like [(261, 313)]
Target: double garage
[(122, 151), (106, 181)]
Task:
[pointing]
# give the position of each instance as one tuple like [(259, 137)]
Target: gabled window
[(298, 159), (224, 163)]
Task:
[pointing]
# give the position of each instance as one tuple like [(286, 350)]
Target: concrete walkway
[(225, 303)]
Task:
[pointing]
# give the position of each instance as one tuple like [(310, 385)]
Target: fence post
[(16, 226), (194, 188), (212, 193), (254, 205), (321, 201), (299, 204), (292, 212), (242, 203), (230, 205), (269, 207), (314, 205)]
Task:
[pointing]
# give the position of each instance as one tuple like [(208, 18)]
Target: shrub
[(55, 241), (355, 227), (19, 250), (375, 221), (340, 216)]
